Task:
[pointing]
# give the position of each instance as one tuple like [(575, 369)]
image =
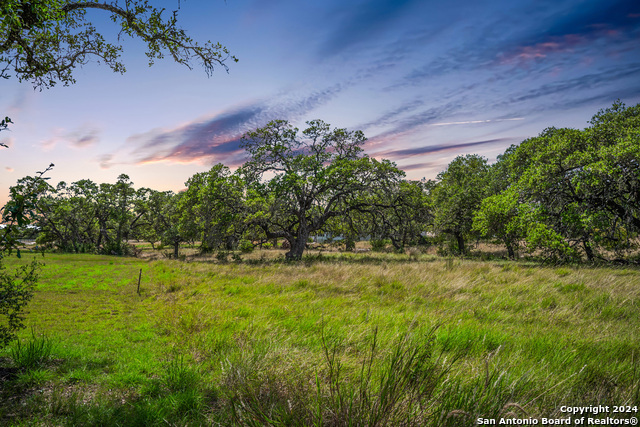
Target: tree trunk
[(397, 244), (460, 240), (297, 247), (176, 247), (512, 253), (588, 250), (299, 242)]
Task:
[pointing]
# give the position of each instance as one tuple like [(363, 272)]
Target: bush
[(349, 244), (16, 289), (245, 246), (379, 245), (117, 248)]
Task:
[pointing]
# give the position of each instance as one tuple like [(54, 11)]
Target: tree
[(43, 41), (457, 196), (316, 176), (612, 171), (85, 216), (161, 217), (212, 207), (500, 216), (582, 186), (401, 214)]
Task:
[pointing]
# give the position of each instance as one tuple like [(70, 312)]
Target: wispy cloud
[(105, 161), (580, 26), (579, 84), (423, 165), (19, 103), (391, 116), (430, 149), (471, 122), (218, 138), (594, 19), (403, 126), (214, 139), (546, 34), (361, 23), (83, 137)]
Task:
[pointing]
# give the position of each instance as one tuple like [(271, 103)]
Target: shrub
[(16, 289), (245, 246), (379, 245), (349, 244)]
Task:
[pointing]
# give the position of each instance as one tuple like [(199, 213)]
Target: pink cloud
[(524, 54)]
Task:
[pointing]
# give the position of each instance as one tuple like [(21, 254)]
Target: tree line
[(566, 195)]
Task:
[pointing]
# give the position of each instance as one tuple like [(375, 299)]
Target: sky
[(425, 81)]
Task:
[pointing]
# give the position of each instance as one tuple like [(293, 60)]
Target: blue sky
[(426, 81)]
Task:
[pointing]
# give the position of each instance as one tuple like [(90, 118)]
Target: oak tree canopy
[(43, 41)]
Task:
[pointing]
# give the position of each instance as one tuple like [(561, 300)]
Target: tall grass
[(338, 339), (408, 384), (32, 353)]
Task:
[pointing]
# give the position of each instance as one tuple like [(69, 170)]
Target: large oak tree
[(296, 182)]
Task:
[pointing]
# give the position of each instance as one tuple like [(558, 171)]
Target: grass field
[(336, 339)]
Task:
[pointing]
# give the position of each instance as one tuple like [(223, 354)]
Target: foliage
[(212, 209), (319, 175), (580, 187), (402, 214), (457, 196), (498, 216), (379, 245), (20, 211), (44, 41), (85, 216), (245, 246), (4, 124), (16, 289), (161, 218), (563, 195)]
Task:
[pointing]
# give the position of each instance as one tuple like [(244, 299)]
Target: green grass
[(266, 341)]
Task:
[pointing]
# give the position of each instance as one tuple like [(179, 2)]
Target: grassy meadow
[(336, 339)]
